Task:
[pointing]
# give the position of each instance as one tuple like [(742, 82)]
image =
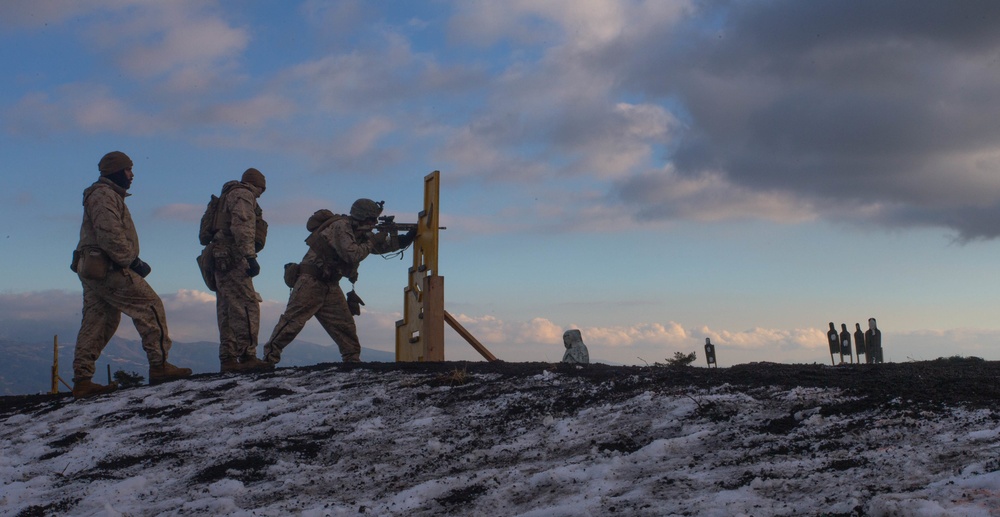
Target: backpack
[(210, 219), (207, 229), (319, 221)]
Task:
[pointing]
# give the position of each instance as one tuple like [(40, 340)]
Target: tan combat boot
[(256, 365), (83, 388), (166, 372), (232, 366)]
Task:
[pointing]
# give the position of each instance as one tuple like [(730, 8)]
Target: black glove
[(253, 268), (354, 303), (141, 268), (407, 239)]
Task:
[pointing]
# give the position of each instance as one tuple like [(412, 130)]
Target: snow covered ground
[(331, 441)]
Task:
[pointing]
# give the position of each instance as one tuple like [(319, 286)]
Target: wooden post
[(55, 364)]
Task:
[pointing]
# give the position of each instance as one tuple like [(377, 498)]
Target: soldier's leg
[(130, 294), (336, 318), (100, 321), (238, 311), (306, 298), (251, 317)]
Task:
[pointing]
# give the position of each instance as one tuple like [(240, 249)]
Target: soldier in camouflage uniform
[(241, 234), (113, 277), (576, 351), (336, 250)]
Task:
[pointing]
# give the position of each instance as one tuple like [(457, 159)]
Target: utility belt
[(318, 273)]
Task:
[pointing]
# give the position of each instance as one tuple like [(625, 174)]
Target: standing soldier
[(240, 233), (337, 246), (113, 277)]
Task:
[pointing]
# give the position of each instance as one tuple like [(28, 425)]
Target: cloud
[(669, 334), (37, 316), (836, 106), (160, 67), (710, 196), (179, 212), (764, 339), (253, 113), (706, 111), (34, 14), (89, 108), (187, 46), (40, 305), (489, 329)]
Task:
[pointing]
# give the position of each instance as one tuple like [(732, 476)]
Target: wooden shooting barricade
[(420, 334)]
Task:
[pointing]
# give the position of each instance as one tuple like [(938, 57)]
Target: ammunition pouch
[(207, 267), (292, 271), (92, 263), (222, 256), (260, 231)]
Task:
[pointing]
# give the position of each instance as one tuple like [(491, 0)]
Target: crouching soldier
[(240, 233), (113, 277), (576, 351), (337, 246)]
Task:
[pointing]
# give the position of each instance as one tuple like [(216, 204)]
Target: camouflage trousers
[(104, 301), (325, 300), (237, 306)]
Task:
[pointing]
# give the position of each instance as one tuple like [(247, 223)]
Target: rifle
[(387, 223)]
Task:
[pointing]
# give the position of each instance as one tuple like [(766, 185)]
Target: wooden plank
[(433, 319), (469, 337)]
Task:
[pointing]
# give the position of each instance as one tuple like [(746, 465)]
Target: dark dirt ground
[(761, 442), (968, 382)]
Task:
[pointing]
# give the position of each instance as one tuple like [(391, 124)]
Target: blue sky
[(651, 172)]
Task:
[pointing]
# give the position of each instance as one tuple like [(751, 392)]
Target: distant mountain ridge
[(27, 365)]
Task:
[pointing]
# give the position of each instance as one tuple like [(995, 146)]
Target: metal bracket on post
[(420, 334)]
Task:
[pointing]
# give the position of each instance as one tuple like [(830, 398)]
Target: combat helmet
[(365, 209)]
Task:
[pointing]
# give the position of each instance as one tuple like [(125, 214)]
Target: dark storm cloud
[(885, 103)]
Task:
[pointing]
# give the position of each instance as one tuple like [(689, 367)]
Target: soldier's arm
[(243, 221), (106, 209), (348, 248)]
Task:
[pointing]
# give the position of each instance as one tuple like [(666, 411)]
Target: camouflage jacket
[(348, 249), (240, 218), (107, 223)]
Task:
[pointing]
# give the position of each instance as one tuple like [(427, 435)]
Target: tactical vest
[(317, 223)]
